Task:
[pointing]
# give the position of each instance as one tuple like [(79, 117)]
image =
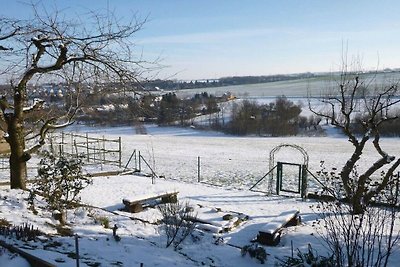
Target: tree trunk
[(16, 140), (18, 157), (17, 172), (357, 204)]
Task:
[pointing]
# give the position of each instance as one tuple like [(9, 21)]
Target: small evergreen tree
[(60, 180)]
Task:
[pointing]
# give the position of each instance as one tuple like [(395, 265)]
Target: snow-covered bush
[(255, 252), (305, 259), (178, 222), (60, 180)]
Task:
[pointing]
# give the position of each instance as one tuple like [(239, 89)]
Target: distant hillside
[(172, 85), (225, 81)]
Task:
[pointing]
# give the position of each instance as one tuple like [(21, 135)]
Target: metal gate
[(291, 178)]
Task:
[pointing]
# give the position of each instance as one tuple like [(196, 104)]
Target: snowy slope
[(236, 163)]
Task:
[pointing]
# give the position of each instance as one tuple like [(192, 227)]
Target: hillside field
[(231, 164)]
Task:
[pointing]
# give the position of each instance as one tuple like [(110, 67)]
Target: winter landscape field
[(199, 133), (230, 166)]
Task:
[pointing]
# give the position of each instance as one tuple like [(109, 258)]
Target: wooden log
[(33, 260)]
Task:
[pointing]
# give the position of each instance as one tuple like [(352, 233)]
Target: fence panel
[(214, 170), (96, 150)]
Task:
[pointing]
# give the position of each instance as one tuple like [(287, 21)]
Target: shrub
[(305, 259), (60, 180), (255, 252), (102, 220), (358, 239), (178, 222)]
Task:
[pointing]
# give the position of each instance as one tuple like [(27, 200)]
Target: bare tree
[(49, 47), (359, 98), (366, 239)]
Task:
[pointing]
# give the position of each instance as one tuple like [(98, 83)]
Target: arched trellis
[(275, 150)]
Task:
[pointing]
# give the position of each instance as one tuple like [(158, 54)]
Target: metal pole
[(136, 167), (104, 151), (62, 143), (198, 170), (140, 165), (72, 143), (120, 152), (303, 181), (87, 147), (77, 250)]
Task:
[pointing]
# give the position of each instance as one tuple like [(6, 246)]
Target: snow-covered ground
[(234, 163)]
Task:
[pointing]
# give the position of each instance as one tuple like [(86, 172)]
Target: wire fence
[(220, 171), (99, 153), (95, 150)]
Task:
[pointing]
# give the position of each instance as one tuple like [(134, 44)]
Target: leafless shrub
[(358, 239), (178, 222)]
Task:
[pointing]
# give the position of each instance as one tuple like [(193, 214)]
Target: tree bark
[(16, 140), (18, 158)]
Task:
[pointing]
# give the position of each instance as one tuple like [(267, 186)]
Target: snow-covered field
[(235, 163)]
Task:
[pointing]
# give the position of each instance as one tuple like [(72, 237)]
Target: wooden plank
[(33, 260)]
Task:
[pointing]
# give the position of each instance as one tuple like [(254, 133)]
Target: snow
[(8, 259), (235, 163), (279, 221), (142, 197)]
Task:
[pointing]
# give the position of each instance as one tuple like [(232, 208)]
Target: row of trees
[(278, 118), (167, 109)]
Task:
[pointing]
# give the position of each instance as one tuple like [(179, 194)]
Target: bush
[(358, 239), (178, 222), (60, 180), (255, 252), (102, 220), (309, 258)]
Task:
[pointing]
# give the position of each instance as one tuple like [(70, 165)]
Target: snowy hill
[(233, 163)]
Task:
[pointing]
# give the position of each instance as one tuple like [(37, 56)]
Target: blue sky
[(215, 38)]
